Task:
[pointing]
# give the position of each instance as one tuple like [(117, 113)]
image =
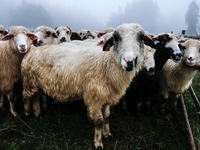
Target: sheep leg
[(2, 102), (44, 101), (164, 99), (10, 97), (147, 106), (177, 96), (27, 106), (95, 113), (138, 108), (106, 128), (124, 106), (36, 104)]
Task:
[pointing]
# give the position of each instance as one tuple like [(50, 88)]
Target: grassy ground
[(66, 127)]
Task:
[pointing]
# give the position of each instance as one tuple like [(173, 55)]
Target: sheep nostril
[(22, 47), (152, 69), (130, 63), (63, 39), (190, 58)]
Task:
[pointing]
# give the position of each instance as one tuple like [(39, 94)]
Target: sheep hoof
[(16, 115), (99, 148)]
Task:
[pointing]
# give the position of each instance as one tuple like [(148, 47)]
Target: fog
[(156, 16)]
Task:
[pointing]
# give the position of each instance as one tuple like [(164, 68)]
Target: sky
[(94, 14)]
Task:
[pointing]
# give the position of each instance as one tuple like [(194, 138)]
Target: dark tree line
[(192, 18), (30, 15)]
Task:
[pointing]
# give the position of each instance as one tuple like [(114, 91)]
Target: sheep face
[(19, 40), (149, 63), (84, 34), (128, 49), (191, 52), (3, 32), (44, 38), (64, 34), (170, 44)]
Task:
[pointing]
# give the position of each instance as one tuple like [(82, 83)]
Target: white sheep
[(69, 73), (85, 34), (176, 77), (46, 35), (3, 31), (64, 33), (13, 48)]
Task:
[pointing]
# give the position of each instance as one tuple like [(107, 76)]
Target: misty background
[(155, 16)]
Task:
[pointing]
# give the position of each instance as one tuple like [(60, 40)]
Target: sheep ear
[(149, 42), (99, 35), (55, 28), (7, 37), (54, 35), (32, 36), (100, 43), (181, 46), (5, 32), (108, 44)]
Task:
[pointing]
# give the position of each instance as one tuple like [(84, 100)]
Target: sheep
[(142, 87), (109, 30), (64, 34), (99, 78), (3, 31), (46, 35), (13, 48), (75, 36), (81, 36), (177, 77), (85, 34)]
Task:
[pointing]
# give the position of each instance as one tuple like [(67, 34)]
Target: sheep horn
[(70, 31)]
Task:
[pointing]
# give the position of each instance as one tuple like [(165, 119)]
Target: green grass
[(65, 126)]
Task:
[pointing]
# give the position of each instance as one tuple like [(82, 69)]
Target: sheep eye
[(81, 33), (67, 32), (58, 32), (48, 33), (199, 49), (1, 31)]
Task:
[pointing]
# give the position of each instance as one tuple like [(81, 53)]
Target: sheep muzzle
[(176, 57)]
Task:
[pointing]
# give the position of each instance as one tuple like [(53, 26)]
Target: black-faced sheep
[(64, 34), (99, 78), (13, 48), (177, 77), (46, 35), (142, 87), (3, 31)]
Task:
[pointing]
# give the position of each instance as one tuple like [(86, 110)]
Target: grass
[(65, 126)]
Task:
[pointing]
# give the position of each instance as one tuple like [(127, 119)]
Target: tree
[(192, 18), (144, 12), (30, 16)]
